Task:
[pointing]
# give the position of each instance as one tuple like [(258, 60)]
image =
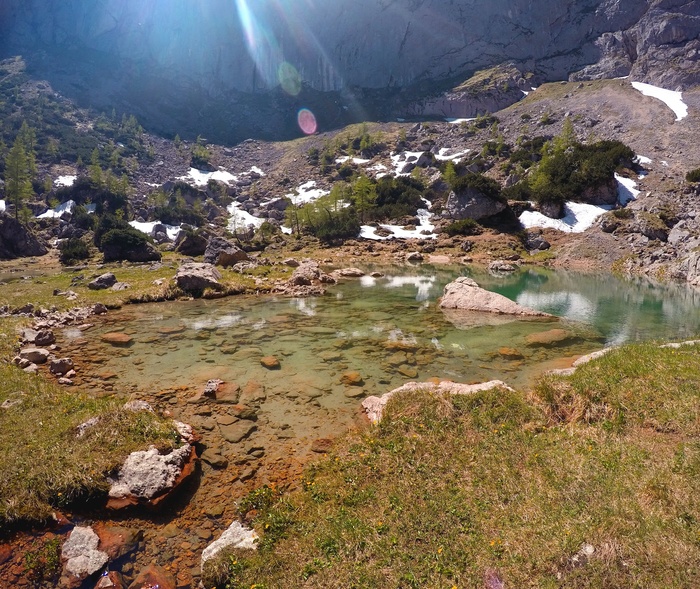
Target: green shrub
[(623, 213), (73, 250), (125, 244), (487, 186), (693, 175), (463, 227)]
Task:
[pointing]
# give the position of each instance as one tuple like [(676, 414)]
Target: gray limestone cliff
[(207, 51)]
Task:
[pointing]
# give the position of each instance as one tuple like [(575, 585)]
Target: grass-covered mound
[(44, 465), (589, 481)]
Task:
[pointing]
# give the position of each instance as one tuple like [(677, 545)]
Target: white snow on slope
[(307, 192), (355, 160), (369, 232), (577, 218), (626, 189), (2, 206), (458, 121), (240, 219), (55, 213), (672, 99), (171, 230), (65, 181), (200, 178), (642, 160), (444, 155)]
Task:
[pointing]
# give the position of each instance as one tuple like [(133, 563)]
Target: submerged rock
[(467, 295)]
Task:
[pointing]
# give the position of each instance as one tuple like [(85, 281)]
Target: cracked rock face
[(148, 473), (358, 45)]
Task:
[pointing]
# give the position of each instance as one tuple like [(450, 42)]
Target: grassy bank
[(587, 481), (44, 465)]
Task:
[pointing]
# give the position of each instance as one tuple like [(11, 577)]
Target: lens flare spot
[(307, 121), (289, 78)]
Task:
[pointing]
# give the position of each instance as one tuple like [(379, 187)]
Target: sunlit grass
[(43, 464), (504, 489)]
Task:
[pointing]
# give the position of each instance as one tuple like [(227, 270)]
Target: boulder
[(153, 577), (503, 267), (471, 204), (190, 243), (61, 366), (221, 252), (235, 536), (18, 241), (352, 379), (147, 476), (348, 273), (465, 294), (194, 277), (41, 337), (34, 355), (81, 556), (103, 282), (110, 580)]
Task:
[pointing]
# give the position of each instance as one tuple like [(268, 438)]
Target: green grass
[(503, 487), (43, 464), (39, 290)]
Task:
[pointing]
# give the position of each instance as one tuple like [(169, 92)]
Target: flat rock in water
[(352, 379), (551, 337), (270, 362), (153, 576), (509, 353), (117, 339), (467, 295), (238, 431)]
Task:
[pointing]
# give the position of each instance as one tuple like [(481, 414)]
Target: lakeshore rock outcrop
[(374, 406), (466, 295)]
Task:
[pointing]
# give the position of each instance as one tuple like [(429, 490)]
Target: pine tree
[(18, 185), (364, 194)]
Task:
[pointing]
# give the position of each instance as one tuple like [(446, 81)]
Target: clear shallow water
[(388, 329)]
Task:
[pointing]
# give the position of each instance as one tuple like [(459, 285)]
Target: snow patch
[(671, 98), (65, 181), (642, 160), (626, 189), (257, 171), (577, 218), (401, 159), (458, 121), (398, 232), (444, 155), (355, 160), (241, 219), (56, 212), (2, 206), (147, 227), (306, 193), (200, 178)]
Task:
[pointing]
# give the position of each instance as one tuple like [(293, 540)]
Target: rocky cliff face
[(212, 49)]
